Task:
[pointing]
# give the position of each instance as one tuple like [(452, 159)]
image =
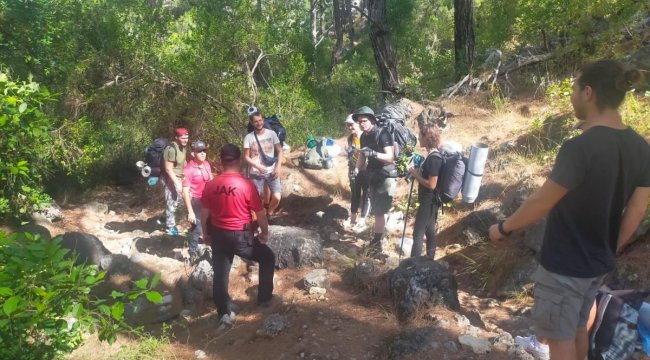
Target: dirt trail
[(346, 323)]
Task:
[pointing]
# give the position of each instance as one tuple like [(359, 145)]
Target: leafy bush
[(24, 145), (47, 301)]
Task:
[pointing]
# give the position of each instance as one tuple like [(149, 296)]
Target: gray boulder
[(295, 247), (49, 214), (115, 264), (89, 248), (35, 229), (317, 278), (421, 282)]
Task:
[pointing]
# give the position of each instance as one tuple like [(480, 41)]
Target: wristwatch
[(502, 230)]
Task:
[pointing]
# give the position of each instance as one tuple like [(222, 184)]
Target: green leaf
[(141, 284), (11, 305), (154, 281), (5, 291), (76, 310), (3, 120), (115, 294), (104, 309), (117, 310), (154, 297), (22, 108)]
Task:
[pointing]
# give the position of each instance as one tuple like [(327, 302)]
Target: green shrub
[(25, 146), (47, 305)]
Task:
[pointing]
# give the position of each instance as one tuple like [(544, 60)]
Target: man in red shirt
[(196, 174), (227, 203)]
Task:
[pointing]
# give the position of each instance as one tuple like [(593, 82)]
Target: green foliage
[(47, 301), (24, 145), (149, 346)]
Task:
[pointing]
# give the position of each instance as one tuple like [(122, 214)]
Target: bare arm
[(533, 209), (205, 214), (251, 162), (361, 162), (634, 212), (263, 222), (187, 199), (429, 183), (388, 156), (278, 164)]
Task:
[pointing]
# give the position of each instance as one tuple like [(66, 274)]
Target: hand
[(261, 169), (191, 217), (368, 152), (495, 235), (263, 238), (275, 173)]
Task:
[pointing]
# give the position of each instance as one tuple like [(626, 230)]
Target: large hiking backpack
[(451, 175), (392, 118), (614, 334), (153, 156), (273, 123), (316, 157)]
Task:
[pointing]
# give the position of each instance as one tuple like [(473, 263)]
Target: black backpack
[(392, 118), (451, 176), (273, 123), (153, 155)]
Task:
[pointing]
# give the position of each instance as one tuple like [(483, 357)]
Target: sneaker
[(226, 321), (173, 231), (533, 347), (360, 227)]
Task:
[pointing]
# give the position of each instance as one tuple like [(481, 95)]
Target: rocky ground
[(335, 301)]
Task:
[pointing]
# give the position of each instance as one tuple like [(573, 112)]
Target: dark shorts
[(562, 303)]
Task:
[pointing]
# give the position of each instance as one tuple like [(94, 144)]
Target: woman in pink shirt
[(196, 174)]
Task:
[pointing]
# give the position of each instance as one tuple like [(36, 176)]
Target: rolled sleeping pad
[(146, 171), (475, 166), (140, 164), (153, 180)]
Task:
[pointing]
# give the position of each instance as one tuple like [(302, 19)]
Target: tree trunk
[(463, 35), (338, 13), (349, 21), (313, 20), (383, 48)]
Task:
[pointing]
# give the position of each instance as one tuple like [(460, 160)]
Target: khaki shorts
[(381, 196), (562, 303)]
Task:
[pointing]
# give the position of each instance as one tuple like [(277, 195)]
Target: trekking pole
[(406, 218)]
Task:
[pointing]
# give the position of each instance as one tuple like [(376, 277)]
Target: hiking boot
[(269, 303), (173, 231), (533, 346)]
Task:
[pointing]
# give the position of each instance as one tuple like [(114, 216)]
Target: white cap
[(349, 120), (251, 110)]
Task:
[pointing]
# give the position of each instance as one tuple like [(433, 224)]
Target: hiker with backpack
[(378, 159), (263, 154), (595, 198), (174, 158), (358, 181), (427, 178), (196, 174)]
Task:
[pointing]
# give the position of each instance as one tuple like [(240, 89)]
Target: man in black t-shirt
[(594, 199), (377, 158)]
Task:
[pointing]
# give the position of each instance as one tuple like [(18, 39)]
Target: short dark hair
[(257, 113), (610, 80), (431, 135), (229, 153)]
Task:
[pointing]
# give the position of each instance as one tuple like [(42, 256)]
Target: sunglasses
[(201, 151)]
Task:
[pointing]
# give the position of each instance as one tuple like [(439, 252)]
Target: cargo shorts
[(381, 195), (562, 303)]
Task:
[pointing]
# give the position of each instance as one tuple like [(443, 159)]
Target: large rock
[(89, 248), (49, 214), (295, 247), (421, 282), (413, 342), (35, 229), (476, 344), (317, 278)]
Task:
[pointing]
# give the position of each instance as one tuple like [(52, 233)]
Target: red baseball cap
[(181, 132)]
